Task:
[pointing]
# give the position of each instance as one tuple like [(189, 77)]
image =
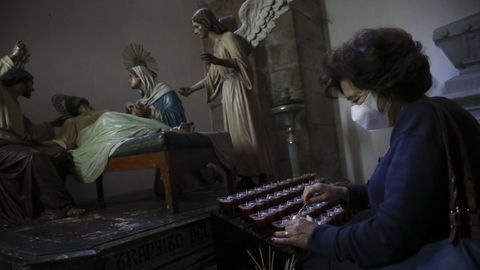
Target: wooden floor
[(133, 232)]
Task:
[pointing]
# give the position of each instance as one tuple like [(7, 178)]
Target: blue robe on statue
[(169, 109), (164, 103)]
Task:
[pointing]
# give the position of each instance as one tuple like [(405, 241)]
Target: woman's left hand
[(209, 59), (296, 233)]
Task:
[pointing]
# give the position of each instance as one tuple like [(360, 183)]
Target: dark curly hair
[(384, 60)]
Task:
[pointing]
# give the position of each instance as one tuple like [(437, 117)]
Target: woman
[(230, 74), (384, 74)]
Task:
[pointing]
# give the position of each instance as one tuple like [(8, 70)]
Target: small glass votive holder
[(260, 220), (319, 208), (260, 204), (239, 198), (259, 192), (283, 209), (248, 208), (275, 213), (250, 195), (269, 188), (226, 205), (270, 200), (279, 225), (323, 219)]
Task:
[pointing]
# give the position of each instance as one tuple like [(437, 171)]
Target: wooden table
[(170, 165)]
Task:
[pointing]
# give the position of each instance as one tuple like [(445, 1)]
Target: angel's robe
[(242, 119)]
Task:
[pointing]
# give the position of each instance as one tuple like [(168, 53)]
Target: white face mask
[(367, 114)]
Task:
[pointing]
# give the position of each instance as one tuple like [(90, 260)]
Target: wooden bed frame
[(170, 165)]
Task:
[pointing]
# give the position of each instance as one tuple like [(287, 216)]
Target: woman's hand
[(208, 58), (320, 192), (185, 91), (296, 233)]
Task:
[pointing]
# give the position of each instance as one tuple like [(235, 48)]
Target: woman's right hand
[(320, 192), (185, 91)]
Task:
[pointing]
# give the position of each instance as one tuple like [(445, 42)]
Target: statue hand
[(129, 107), (58, 122), (141, 110), (184, 128), (209, 59), (20, 53), (185, 91)]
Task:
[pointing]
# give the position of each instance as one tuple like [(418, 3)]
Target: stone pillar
[(290, 57), (460, 41), (310, 21)]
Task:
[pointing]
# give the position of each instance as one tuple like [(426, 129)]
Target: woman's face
[(353, 93), (200, 30), (357, 96)]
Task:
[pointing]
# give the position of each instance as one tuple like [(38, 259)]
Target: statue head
[(205, 17), (136, 59), (134, 80), (142, 79), (18, 81), (76, 105), (70, 105)]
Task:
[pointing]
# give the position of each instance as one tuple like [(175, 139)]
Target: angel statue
[(231, 74), (158, 101)]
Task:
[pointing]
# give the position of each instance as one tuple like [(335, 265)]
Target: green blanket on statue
[(98, 141)]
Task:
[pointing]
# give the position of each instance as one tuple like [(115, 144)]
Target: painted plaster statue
[(92, 136), (31, 175), (80, 115), (230, 74), (158, 101)]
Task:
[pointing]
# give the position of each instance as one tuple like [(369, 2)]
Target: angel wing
[(258, 18), (136, 55)]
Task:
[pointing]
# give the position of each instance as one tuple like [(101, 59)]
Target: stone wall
[(290, 57)]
